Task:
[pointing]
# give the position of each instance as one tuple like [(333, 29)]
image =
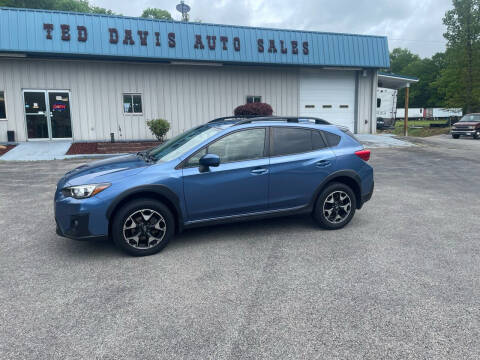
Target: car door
[(239, 185), (300, 161)]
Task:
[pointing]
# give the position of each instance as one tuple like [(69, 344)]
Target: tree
[(153, 13), (460, 79), (82, 6), (427, 70), (400, 59)]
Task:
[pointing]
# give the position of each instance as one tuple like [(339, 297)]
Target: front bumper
[(78, 229), (464, 132), (81, 219)]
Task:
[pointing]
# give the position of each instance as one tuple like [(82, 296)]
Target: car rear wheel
[(143, 227), (455, 136), (335, 206)]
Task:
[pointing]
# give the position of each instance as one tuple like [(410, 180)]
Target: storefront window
[(132, 103), (3, 113)]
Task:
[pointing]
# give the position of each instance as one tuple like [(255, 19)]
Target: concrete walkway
[(34, 151), (373, 141)]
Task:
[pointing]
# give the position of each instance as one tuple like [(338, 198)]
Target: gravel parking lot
[(401, 281)]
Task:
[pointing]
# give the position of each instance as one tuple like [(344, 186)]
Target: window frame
[(4, 104), (271, 150), (253, 96), (123, 103), (266, 148)]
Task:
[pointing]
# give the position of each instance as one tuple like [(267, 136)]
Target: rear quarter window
[(332, 139)]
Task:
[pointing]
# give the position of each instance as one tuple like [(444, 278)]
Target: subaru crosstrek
[(229, 169)]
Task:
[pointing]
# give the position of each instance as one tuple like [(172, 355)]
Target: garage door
[(329, 95)]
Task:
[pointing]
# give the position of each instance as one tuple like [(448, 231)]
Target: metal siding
[(184, 95), (21, 30)]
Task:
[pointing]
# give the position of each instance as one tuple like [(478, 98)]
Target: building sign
[(198, 42)]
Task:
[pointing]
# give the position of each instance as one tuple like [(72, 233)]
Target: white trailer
[(386, 103), (443, 113), (413, 113)]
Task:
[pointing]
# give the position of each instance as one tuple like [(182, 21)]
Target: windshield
[(471, 117), (182, 143)]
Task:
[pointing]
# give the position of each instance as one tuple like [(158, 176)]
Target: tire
[(455, 136), (335, 192), (475, 136), (143, 227)]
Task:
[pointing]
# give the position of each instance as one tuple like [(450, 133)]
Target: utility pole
[(405, 124)]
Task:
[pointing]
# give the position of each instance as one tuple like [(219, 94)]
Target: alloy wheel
[(337, 206), (144, 229)]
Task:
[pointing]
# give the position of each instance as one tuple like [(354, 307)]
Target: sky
[(412, 24)]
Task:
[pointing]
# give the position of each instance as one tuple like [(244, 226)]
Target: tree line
[(450, 78)]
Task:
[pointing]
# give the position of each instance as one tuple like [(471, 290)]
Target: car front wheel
[(335, 206), (455, 136), (143, 227)]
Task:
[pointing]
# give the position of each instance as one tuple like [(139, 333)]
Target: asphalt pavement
[(402, 281)]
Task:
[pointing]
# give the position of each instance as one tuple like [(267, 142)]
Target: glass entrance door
[(59, 104), (36, 115), (47, 114)]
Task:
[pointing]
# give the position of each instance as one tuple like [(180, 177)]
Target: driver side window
[(239, 146)]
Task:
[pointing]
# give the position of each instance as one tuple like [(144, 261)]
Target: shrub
[(159, 128), (261, 109)]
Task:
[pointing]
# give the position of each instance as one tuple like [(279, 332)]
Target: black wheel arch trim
[(160, 190), (336, 175)]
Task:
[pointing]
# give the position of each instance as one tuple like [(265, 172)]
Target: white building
[(85, 77)]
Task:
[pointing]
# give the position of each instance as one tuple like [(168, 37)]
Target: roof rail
[(233, 117), (292, 119)]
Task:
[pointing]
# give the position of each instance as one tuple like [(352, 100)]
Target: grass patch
[(424, 131)]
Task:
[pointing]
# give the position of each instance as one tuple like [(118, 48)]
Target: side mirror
[(208, 160)]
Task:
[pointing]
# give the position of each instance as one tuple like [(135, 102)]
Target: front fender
[(161, 192)]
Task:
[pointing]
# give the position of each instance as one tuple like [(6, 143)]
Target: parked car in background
[(229, 169), (469, 125), (384, 123)]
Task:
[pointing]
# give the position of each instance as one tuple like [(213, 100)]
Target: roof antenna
[(184, 9)]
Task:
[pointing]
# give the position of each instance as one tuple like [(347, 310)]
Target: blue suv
[(230, 169)]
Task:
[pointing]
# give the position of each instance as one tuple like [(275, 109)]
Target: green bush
[(159, 128)]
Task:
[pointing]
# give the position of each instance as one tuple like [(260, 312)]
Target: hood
[(466, 123), (104, 170)]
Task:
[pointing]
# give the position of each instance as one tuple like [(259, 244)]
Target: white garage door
[(329, 95)]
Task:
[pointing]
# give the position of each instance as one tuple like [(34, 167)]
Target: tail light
[(363, 154)]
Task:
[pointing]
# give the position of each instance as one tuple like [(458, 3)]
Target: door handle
[(260, 171), (322, 163)]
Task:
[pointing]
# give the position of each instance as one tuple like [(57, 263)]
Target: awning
[(394, 81)]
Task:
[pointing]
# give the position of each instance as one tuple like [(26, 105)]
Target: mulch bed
[(6, 149), (81, 148)]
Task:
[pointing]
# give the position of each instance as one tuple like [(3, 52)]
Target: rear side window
[(291, 141), (295, 141), (332, 139)]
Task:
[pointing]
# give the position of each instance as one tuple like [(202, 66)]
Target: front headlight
[(84, 191)]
